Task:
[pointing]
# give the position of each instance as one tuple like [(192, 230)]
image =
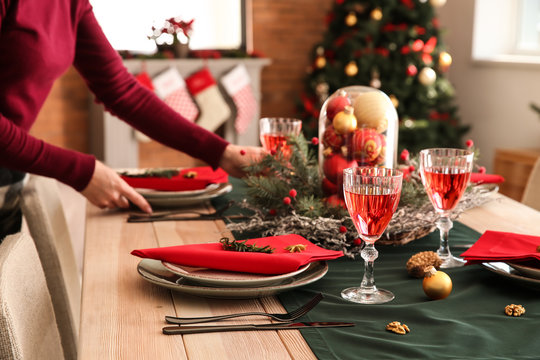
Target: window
[(218, 24)]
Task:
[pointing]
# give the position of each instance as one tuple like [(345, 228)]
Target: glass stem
[(369, 254), (444, 224)]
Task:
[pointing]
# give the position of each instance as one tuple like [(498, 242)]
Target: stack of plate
[(226, 284), (527, 274), (184, 198)]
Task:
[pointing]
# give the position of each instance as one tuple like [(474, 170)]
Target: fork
[(290, 316)]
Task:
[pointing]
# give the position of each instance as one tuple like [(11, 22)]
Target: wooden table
[(122, 315)]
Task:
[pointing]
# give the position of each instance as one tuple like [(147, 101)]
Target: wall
[(494, 99), (285, 31)]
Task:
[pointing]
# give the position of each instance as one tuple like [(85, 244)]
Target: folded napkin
[(188, 179), (503, 246), (213, 256), (478, 178)]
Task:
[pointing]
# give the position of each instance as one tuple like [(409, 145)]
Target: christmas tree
[(395, 46)]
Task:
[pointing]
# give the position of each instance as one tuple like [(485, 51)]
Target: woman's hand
[(107, 190), (235, 158)]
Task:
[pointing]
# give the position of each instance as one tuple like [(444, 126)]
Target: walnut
[(296, 248), (398, 328), (514, 310), (418, 262)]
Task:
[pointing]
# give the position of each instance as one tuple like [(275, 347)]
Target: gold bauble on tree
[(427, 76), (320, 62), (376, 14), (445, 60), (437, 3), (351, 19), (351, 69)]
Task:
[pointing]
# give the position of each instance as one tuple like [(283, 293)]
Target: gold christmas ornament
[(320, 62), (351, 69), (436, 284), (345, 122), (427, 76), (445, 60), (351, 19), (371, 110), (376, 14)]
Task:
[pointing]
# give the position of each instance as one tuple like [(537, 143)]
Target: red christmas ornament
[(292, 193), (427, 59), (366, 145), (337, 104), (411, 70), (381, 159), (331, 139), (328, 187), (334, 165), (335, 201), (417, 45)]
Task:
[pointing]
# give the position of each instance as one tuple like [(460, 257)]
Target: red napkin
[(503, 246), (478, 178), (213, 255), (203, 177)]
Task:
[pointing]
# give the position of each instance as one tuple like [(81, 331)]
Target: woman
[(39, 40)]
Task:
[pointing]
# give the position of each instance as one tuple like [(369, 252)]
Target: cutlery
[(290, 316), (184, 215), (175, 330)]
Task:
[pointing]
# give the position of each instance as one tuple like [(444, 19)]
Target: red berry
[(286, 200), (292, 193), (469, 143), (242, 152), (315, 141), (272, 212), (481, 170), (404, 155), (273, 152), (358, 241), (411, 168), (342, 229)]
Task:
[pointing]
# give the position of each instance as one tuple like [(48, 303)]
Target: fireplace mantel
[(114, 142)]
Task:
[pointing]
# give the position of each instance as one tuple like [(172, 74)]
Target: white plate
[(179, 198), (154, 272), (504, 269), (222, 278), (525, 270), (151, 193)]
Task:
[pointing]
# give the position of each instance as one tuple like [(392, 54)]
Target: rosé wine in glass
[(274, 133), (372, 196), (445, 174)]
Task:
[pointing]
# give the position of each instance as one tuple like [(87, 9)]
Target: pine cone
[(418, 262)]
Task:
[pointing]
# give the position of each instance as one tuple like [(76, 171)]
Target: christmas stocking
[(214, 108), (237, 83), (170, 87)]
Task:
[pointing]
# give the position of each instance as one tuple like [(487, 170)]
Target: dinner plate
[(180, 198), (154, 272), (504, 269), (222, 278)]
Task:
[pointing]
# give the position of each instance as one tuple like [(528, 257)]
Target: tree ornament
[(427, 76), (345, 122), (366, 146), (351, 19), (437, 3), (376, 14), (411, 70), (375, 81), (436, 284), (322, 91), (371, 109), (331, 139), (328, 187), (445, 60), (351, 69), (337, 104), (394, 100), (320, 62)]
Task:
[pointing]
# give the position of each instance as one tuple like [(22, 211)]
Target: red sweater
[(39, 40)]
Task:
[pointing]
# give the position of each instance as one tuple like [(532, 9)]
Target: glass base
[(356, 295), (451, 262)]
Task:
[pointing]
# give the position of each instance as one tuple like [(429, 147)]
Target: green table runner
[(469, 324)]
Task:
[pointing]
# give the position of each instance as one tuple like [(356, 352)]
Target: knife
[(174, 330)]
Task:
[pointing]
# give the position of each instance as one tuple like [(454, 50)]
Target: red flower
[(292, 193), (469, 143), (342, 229), (287, 200)]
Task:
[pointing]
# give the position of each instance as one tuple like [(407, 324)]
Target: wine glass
[(445, 174), (372, 196), (275, 131)]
